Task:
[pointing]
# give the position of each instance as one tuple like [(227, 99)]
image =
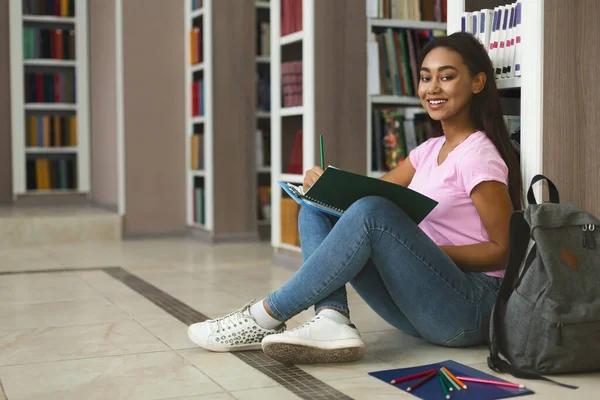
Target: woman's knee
[(372, 205)]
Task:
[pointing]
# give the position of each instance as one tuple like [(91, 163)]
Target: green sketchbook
[(336, 190)]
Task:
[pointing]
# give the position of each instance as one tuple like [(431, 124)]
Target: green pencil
[(443, 385), (322, 154), (450, 380)]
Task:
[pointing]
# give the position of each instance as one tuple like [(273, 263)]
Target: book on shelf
[(395, 67), (263, 90), (396, 132), (263, 148), (295, 163), (264, 203), (50, 87), (195, 46), (291, 16), (289, 221), (197, 98), (51, 173), (198, 205), (197, 149), (45, 43), (56, 8), (51, 131), (196, 4), (263, 42), (499, 31), (336, 190), (411, 10), (291, 83)]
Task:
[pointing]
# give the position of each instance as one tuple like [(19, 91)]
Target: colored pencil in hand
[(454, 378), (422, 381), (498, 383), (414, 376)]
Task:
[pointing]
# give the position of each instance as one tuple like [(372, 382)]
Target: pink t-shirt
[(455, 220)]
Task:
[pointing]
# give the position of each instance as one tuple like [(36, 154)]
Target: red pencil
[(508, 384), (422, 381), (407, 378)]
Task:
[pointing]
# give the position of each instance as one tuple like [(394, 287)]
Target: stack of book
[(499, 30), (415, 10), (197, 150), (49, 173), (51, 131), (291, 83), (291, 16), (263, 148), (196, 4), (195, 46), (58, 8), (48, 43), (263, 90), (50, 87), (263, 44), (197, 98), (199, 205)]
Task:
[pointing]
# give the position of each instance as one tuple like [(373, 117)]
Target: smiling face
[(445, 86)]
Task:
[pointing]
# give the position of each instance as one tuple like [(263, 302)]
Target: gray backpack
[(546, 319)]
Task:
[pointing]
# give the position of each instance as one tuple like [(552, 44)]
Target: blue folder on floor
[(431, 390)]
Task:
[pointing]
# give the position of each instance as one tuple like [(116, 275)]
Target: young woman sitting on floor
[(437, 280)]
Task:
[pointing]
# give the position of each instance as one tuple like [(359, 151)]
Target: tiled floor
[(81, 331)]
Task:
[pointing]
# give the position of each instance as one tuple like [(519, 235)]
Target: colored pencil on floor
[(407, 378), (498, 383), (451, 382), (454, 378), (422, 381), (443, 385)]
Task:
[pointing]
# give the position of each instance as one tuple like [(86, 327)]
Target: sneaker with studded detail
[(233, 332)]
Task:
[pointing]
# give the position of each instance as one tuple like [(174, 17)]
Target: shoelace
[(232, 319), (313, 319)]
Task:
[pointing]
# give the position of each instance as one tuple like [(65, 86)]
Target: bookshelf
[(263, 116), (396, 96), (317, 87), (221, 118), (523, 93), (49, 98)]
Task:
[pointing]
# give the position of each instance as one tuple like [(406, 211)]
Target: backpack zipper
[(588, 236), (559, 337)]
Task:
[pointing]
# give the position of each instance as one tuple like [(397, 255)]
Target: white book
[(517, 64), (468, 22), (373, 85), (372, 8), (486, 17), (493, 48), (502, 40), (509, 42)]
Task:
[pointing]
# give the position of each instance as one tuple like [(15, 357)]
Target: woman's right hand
[(311, 176)]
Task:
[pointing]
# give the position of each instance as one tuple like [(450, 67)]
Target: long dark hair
[(485, 109)]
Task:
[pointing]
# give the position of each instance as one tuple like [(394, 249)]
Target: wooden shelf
[(50, 106), (508, 83), (198, 120), (402, 100), (49, 62), (197, 13), (263, 170), (291, 38), (291, 111), (197, 67), (48, 19), (263, 59), (50, 150), (407, 24), (198, 173)]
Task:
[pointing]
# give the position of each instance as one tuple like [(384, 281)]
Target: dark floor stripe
[(292, 378)]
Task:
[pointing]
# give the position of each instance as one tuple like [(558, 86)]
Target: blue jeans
[(395, 267)]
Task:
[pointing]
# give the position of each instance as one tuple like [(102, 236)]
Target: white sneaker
[(321, 340), (233, 332)]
